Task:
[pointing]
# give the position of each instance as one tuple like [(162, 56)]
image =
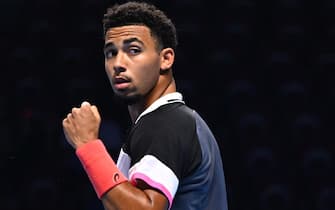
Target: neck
[(157, 92)]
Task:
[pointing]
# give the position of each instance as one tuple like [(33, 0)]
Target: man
[(170, 159)]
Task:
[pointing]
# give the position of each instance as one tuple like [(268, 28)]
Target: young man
[(170, 159)]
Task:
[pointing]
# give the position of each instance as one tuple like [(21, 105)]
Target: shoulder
[(167, 118)]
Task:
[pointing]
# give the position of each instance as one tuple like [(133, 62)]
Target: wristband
[(99, 166)]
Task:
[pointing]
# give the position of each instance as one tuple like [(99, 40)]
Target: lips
[(121, 82)]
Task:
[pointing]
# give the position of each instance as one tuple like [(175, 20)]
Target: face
[(132, 61)]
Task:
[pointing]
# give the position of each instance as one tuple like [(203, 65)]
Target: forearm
[(112, 186)]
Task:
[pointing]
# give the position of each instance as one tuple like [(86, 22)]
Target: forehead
[(121, 33)]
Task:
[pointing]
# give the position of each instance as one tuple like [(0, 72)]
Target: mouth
[(119, 79), (121, 82)]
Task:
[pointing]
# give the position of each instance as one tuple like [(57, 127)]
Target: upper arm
[(155, 196)]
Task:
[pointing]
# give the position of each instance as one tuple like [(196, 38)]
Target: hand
[(82, 125)]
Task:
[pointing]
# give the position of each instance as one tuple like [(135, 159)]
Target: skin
[(136, 68)]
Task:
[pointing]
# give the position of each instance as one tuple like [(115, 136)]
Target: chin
[(129, 99)]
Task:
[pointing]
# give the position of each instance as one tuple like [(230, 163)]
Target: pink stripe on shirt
[(153, 184)]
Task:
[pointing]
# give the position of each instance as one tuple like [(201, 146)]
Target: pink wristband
[(99, 166)]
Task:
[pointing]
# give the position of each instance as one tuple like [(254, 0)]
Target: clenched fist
[(82, 125)]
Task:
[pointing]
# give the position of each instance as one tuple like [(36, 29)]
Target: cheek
[(152, 70), (108, 70), (148, 75)]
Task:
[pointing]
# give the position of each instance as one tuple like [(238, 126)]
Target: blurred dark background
[(260, 72)]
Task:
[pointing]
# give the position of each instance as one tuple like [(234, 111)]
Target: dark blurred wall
[(260, 72)]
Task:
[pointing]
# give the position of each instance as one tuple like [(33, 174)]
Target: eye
[(134, 50), (110, 53)]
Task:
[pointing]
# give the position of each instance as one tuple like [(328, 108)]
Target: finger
[(69, 116), (85, 103), (65, 121), (86, 106), (95, 111), (74, 111)]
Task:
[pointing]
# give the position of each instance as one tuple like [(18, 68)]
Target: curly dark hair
[(142, 13)]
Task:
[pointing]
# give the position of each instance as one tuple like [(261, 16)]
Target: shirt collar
[(167, 99)]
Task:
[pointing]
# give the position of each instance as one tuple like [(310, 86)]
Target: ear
[(167, 58)]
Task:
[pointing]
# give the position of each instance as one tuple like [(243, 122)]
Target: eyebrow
[(125, 42)]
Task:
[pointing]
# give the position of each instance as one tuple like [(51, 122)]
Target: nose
[(119, 63)]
